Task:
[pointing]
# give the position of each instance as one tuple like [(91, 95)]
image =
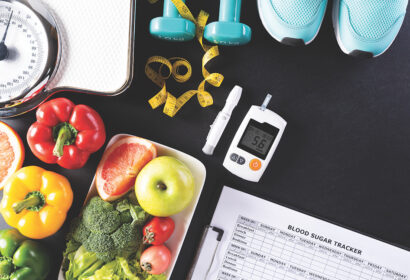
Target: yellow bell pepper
[(36, 201)]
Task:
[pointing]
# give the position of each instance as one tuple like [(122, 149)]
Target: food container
[(183, 219)]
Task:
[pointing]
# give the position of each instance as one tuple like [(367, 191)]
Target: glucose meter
[(255, 142)]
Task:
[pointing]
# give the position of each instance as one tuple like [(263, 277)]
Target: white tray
[(182, 219)]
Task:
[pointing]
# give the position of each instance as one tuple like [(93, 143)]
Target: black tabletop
[(345, 154)]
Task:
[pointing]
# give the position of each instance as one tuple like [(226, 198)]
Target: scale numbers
[(27, 50)]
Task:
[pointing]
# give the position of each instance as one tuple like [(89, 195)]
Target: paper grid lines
[(260, 252)]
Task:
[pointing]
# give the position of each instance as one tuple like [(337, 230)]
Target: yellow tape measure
[(173, 104)]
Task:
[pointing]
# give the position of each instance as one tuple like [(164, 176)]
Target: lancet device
[(219, 125)]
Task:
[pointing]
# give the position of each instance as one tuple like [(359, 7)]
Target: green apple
[(164, 187)]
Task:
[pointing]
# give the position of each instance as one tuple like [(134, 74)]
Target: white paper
[(96, 40), (263, 240)]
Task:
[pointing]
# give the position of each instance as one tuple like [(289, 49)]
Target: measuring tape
[(173, 104)]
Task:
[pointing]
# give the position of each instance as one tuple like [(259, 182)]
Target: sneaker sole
[(354, 53)]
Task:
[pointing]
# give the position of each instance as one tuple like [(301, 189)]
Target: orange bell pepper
[(36, 201)]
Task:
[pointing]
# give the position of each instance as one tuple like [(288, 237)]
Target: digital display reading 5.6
[(258, 138)]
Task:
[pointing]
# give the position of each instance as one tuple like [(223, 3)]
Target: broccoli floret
[(106, 257), (100, 216), (100, 205), (81, 232), (126, 217), (99, 243), (127, 239)]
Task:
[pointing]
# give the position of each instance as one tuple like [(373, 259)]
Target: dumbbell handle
[(230, 10), (170, 10)]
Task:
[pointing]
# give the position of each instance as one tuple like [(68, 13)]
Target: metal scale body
[(31, 39)]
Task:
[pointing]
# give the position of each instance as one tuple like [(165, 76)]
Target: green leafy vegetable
[(81, 263), (138, 215), (70, 250), (123, 269)]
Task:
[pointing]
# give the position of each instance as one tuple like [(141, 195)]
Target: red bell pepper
[(65, 133)]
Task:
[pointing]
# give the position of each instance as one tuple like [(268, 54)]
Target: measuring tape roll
[(173, 104)]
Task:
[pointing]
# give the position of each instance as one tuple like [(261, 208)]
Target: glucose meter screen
[(258, 138)]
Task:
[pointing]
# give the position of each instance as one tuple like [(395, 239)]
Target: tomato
[(156, 259), (158, 230)]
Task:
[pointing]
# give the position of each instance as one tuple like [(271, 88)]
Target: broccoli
[(80, 233), (99, 243), (105, 257), (127, 239), (108, 229), (126, 217), (100, 216)]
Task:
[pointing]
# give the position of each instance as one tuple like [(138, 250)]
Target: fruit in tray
[(65, 133), (155, 259), (22, 258), (165, 186), (158, 230), (11, 152), (121, 164), (36, 201)]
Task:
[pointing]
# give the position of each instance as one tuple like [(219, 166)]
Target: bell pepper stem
[(33, 201), (6, 266), (64, 134)]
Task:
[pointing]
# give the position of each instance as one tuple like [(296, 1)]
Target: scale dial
[(31, 55)]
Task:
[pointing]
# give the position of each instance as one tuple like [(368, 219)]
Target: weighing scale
[(54, 45)]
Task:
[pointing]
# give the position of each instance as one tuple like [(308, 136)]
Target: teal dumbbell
[(172, 26), (228, 30)]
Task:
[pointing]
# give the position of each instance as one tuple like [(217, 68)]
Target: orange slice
[(11, 152), (120, 165)]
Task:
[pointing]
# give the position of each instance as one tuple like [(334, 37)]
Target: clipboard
[(203, 260), (251, 238)]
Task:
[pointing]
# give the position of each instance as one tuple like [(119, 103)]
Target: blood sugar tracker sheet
[(263, 240)]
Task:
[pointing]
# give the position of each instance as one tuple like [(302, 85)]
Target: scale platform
[(95, 46)]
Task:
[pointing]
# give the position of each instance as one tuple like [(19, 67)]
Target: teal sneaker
[(292, 22), (367, 28)]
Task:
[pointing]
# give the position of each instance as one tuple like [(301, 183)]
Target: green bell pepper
[(21, 258)]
